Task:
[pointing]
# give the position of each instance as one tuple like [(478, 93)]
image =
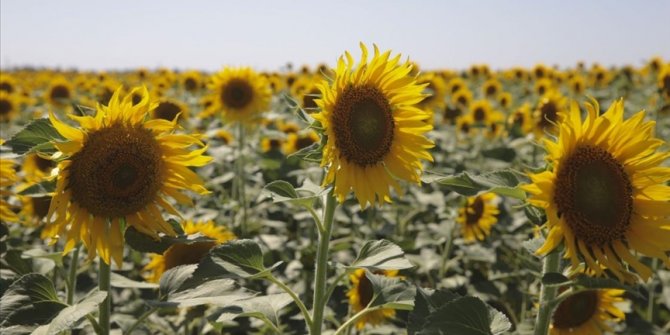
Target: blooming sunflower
[(491, 87), (481, 111), (606, 194), (520, 120), (361, 294), (9, 107), (119, 166), (8, 83), (271, 144), (435, 91), (477, 216), (462, 97), (587, 313), (241, 93), (7, 178), (296, 142), (191, 81), (168, 109), (60, 92), (182, 253), (36, 168), (375, 131), (549, 113)]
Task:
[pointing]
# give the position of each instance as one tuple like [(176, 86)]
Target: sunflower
[(435, 91), (451, 114), (491, 87), (296, 142), (119, 168), (8, 178), (456, 84), (465, 124), (543, 86), (8, 83), (288, 127), (587, 313), (477, 216), (168, 109), (606, 194), (520, 121), (481, 111), (36, 168), (269, 144), (577, 84), (9, 107), (60, 92), (505, 99), (375, 132), (361, 294), (191, 81), (462, 97), (34, 209), (224, 136), (549, 113), (241, 94), (183, 254)]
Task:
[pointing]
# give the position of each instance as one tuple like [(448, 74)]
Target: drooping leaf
[(220, 292), (243, 258), (118, 280), (427, 301), (381, 255), (465, 316), (35, 137), (282, 191), (173, 279), (585, 281), (503, 182), (145, 243), (71, 315), (555, 279), (31, 299), (265, 308), (390, 292), (535, 215)]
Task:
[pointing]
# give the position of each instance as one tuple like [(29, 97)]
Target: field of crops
[(367, 196)]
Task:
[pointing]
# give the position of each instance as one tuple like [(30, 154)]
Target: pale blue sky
[(267, 34)]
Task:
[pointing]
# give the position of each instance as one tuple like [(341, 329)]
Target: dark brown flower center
[(548, 115), (491, 90), (7, 87), (190, 84), (167, 110), (594, 195), (59, 92), (5, 107), (576, 310), (303, 142), (308, 99), (451, 114), (117, 172), (40, 206), (479, 114), (365, 291), (474, 212), (237, 94), (363, 125), (44, 165)]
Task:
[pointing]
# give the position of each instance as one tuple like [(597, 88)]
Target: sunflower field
[(368, 196)]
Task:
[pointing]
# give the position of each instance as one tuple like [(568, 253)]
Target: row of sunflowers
[(371, 197)]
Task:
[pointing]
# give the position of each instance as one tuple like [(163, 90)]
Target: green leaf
[(120, 281), (282, 191), (173, 279), (145, 243), (504, 154), (381, 255), (42, 189), (585, 281), (533, 244), (30, 299), (220, 292), (70, 316), (465, 316), (265, 308), (35, 137), (535, 215), (390, 292), (243, 258), (427, 301), (555, 279), (503, 182)]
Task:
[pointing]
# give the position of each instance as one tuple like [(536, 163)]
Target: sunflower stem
[(242, 178), (72, 275), (104, 284), (353, 319), (294, 296), (551, 263), (320, 299), (445, 255)]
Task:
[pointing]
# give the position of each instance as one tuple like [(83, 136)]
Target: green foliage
[(381, 255), (35, 137), (503, 182)]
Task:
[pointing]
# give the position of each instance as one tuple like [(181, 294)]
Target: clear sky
[(206, 35)]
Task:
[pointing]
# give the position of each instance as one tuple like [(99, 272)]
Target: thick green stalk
[(551, 263), (72, 275), (104, 284), (294, 296), (322, 265)]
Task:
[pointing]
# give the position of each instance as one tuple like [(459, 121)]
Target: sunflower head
[(9, 107), (435, 90), (587, 312), (375, 132), (361, 294), (477, 215), (480, 111), (549, 113), (606, 193), (192, 253), (120, 167), (271, 144), (462, 98), (8, 178), (169, 110), (60, 92), (241, 94), (491, 87), (296, 142)]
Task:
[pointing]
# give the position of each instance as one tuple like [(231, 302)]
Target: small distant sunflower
[(119, 166), (34, 209), (8, 83), (491, 88), (462, 98), (241, 94), (225, 136), (456, 84), (308, 97), (549, 113), (477, 216), (577, 84), (191, 81), (269, 144), (435, 91), (360, 295), (168, 109), (543, 86), (8, 178), (375, 131), (296, 142), (451, 114), (288, 127), (184, 254), (606, 193), (36, 168), (587, 313), (480, 111), (520, 120), (599, 76), (541, 71), (60, 92), (505, 99), (465, 124), (9, 107)]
